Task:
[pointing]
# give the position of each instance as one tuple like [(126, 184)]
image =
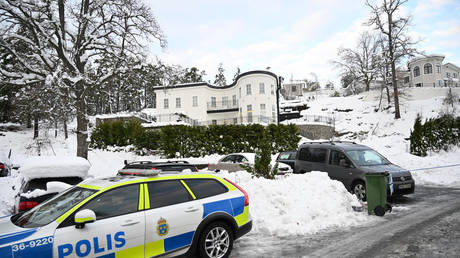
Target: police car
[(159, 215)]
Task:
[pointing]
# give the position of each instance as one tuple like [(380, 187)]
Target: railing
[(241, 120), (176, 117), (222, 105), (319, 119)]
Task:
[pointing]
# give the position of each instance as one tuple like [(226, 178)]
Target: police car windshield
[(367, 157), (52, 209)]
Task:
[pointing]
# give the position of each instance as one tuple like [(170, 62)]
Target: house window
[(272, 89), (235, 120), (455, 75), (240, 91), (406, 79), (249, 111), (427, 68), (214, 122), (213, 102), (438, 68), (416, 71), (261, 88), (248, 89), (274, 112), (166, 103), (262, 112), (195, 101), (234, 102), (178, 104), (225, 102), (294, 89), (448, 75), (440, 83)]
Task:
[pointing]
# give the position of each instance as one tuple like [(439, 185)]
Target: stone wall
[(316, 132)]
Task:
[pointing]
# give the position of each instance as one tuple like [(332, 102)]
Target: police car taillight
[(246, 196), (26, 205)]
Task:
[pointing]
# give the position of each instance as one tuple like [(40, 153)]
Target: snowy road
[(426, 224)]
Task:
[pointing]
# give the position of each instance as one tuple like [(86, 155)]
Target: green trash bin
[(376, 193)]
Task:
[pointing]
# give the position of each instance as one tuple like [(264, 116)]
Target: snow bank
[(7, 194), (51, 187), (298, 204), (38, 167)]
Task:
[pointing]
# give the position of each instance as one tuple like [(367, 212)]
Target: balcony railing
[(223, 105), (241, 120)]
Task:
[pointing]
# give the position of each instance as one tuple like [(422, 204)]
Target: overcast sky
[(294, 38)]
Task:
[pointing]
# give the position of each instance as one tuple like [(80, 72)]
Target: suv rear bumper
[(243, 230)]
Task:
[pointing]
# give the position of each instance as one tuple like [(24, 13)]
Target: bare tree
[(66, 39), (394, 28), (363, 62)]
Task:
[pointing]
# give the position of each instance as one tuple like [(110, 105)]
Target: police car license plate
[(404, 186)]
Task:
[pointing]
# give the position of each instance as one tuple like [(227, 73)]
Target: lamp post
[(278, 88)]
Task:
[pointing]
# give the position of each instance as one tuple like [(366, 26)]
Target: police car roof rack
[(139, 172)]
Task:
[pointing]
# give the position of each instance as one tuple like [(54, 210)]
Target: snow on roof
[(55, 166)]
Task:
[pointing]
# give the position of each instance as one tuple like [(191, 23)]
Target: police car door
[(117, 232), (172, 218)]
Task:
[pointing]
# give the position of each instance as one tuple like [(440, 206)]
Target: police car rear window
[(164, 193), (203, 188)]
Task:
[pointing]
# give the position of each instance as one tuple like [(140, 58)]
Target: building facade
[(429, 71), (251, 98), (292, 90)]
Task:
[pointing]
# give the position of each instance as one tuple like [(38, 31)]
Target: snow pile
[(51, 187), (57, 166), (8, 194), (298, 204)]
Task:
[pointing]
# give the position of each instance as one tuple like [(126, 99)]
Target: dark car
[(287, 157), (140, 167), (348, 162)]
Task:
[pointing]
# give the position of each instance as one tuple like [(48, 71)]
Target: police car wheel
[(216, 241)]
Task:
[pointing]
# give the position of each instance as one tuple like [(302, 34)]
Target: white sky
[(294, 38)]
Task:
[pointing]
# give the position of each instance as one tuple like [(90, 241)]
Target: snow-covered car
[(5, 165), (172, 214), (44, 177), (232, 162)]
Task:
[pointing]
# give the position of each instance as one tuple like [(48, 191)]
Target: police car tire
[(218, 225)]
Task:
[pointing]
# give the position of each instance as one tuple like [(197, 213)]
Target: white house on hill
[(251, 98), (429, 71)]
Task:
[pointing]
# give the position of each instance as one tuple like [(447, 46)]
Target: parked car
[(5, 165), (44, 177), (141, 167), (287, 157), (163, 215), (231, 163), (348, 162)]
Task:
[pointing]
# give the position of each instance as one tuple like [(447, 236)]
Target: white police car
[(132, 217)]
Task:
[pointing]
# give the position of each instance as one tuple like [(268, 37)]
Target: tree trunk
[(35, 125), (55, 129), (388, 94), (393, 66), (82, 127), (66, 134)]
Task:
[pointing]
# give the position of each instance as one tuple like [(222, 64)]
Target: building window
[(438, 68), (240, 91), (214, 122), (440, 83), (448, 75), (274, 112), (293, 89), (455, 75), (234, 102), (262, 112), (235, 120), (427, 68), (249, 111), (213, 102), (272, 89), (166, 103), (178, 104), (261, 88), (416, 71), (406, 79), (195, 101), (248, 89), (225, 102)]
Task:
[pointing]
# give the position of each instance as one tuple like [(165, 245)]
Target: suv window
[(203, 188), (164, 193), (313, 155), (336, 156), (116, 202)]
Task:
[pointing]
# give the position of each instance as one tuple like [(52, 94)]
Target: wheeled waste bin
[(376, 193)]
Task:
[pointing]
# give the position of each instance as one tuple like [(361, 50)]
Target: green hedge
[(434, 135), (195, 141)]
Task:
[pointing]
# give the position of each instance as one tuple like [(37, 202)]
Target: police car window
[(116, 202), (53, 208), (164, 193), (203, 188)]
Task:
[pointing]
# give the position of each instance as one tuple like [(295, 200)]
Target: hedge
[(434, 135), (195, 141)]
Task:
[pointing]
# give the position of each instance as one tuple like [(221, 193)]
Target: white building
[(251, 98), (429, 71)]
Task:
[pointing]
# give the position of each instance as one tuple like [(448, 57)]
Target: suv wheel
[(359, 189), (216, 241)]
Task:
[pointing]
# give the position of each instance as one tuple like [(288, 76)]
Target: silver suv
[(348, 162)]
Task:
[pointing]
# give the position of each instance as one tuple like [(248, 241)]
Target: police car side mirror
[(84, 216)]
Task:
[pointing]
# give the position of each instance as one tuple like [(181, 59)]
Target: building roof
[(195, 84), (451, 64), (415, 59)]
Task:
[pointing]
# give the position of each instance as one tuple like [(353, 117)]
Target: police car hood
[(10, 232), (393, 169)]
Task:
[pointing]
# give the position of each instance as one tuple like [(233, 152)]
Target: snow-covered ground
[(294, 204)]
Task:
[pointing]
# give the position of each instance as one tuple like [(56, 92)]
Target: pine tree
[(220, 77)]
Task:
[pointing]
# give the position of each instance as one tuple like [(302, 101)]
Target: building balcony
[(222, 106)]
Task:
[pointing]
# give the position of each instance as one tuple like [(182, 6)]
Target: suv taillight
[(27, 205), (2, 166), (246, 196)]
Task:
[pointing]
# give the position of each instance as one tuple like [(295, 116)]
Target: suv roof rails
[(330, 142)]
